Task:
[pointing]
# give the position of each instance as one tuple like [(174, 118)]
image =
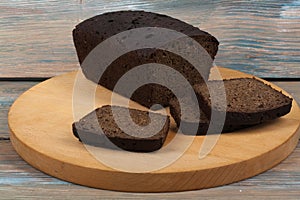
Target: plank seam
[(19, 79), (4, 138), (39, 79)]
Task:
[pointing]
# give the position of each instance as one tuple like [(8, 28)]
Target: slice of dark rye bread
[(88, 130), (194, 119), (249, 101), (91, 32)]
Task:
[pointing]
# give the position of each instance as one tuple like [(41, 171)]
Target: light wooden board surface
[(35, 141)]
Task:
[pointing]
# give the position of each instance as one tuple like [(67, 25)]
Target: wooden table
[(36, 43), (18, 179)]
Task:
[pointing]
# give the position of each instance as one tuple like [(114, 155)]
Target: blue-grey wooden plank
[(10, 90), (258, 37), (18, 180)]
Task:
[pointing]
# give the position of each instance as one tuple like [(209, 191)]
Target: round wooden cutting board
[(40, 124)]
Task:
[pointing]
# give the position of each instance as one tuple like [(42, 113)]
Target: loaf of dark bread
[(100, 123), (249, 101), (91, 32), (194, 119)]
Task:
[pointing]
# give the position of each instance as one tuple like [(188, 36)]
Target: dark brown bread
[(193, 119), (91, 32), (88, 129), (249, 101)]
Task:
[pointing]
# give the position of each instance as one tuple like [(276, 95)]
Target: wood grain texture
[(35, 141), (260, 38), (18, 180), (292, 88), (9, 91)]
